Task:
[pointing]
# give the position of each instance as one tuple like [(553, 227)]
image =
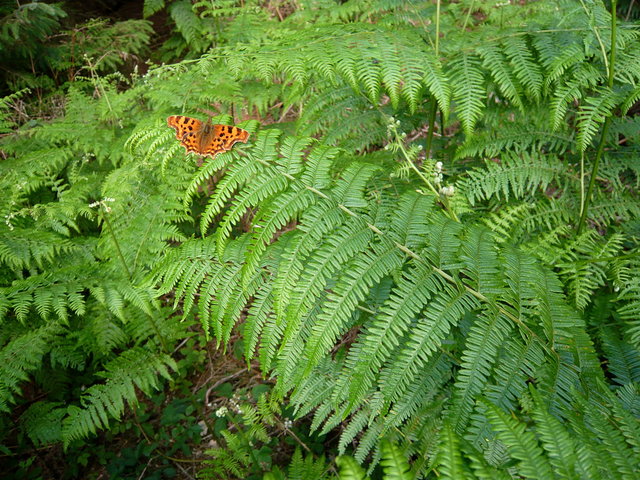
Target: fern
[(471, 327), (470, 90), (135, 368)]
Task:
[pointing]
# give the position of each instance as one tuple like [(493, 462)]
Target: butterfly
[(205, 138)]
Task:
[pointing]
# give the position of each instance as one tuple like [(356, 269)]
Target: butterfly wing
[(184, 126), (221, 138), (191, 142)]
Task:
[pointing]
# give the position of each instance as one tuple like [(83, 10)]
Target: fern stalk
[(433, 110), (432, 121), (407, 157), (437, 42), (117, 244), (605, 127)]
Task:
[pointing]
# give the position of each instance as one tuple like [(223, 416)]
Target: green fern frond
[(482, 346), (449, 460), (518, 175), (592, 115), (521, 444), (469, 91), (525, 67), (494, 60), (135, 368), (20, 357), (394, 463), (350, 469), (558, 443), (379, 340)]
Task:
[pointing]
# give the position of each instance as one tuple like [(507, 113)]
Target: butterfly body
[(204, 138)]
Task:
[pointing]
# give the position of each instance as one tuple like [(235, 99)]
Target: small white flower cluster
[(221, 412), (392, 124), (447, 191), (288, 423), (235, 404), (437, 178), (437, 175), (103, 203), (7, 220)]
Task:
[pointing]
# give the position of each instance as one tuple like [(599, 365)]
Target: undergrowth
[(429, 245)]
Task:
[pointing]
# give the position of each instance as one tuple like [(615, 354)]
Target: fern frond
[(524, 65), (494, 60), (350, 469), (134, 368), (449, 459), (482, 346), (20, 357), (518, 175), (469, 90), (521, 444), (394, 464), (380, 338), (558, 443), (592, 115)]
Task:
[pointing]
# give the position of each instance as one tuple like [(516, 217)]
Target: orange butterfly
[(205, 138)]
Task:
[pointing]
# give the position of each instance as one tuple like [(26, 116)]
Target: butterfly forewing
[(184, 125), (205, 139)]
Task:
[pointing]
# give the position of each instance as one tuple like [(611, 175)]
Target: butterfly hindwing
[(191, 142)]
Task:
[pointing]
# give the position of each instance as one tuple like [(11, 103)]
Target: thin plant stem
[(117, 244), (605, 126), (433, 110), (581, 183), (432, 122), (466, 20), (437, 42)]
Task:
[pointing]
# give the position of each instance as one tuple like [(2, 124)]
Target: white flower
[(221, 412), (447, 191), (7, 220), (438, 167)]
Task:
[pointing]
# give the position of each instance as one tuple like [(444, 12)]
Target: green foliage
[(246, 447), (38, 52), (449, 302)]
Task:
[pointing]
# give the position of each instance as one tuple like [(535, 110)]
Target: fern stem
[(433, 109), (594, 29), (443, 198), (466, 19), (605, 126), (437, 42), (117, 244), (432, 122), (581, 183)]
